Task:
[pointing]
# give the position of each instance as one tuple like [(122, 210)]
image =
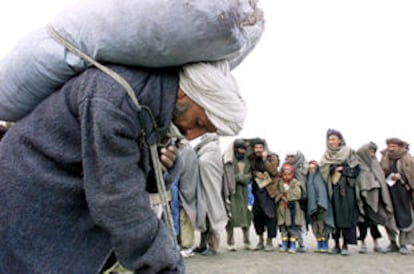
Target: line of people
[(345, 192)]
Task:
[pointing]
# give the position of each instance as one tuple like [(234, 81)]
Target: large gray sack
[(156, 33)]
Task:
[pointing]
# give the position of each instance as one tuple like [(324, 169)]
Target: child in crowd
[(289, 215), (319, 207)]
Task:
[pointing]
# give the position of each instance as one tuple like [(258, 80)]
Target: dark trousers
[(262, 222), (363, 230), (348, 235)]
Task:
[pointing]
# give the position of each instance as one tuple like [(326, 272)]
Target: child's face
[(287, 175), (312, 168)]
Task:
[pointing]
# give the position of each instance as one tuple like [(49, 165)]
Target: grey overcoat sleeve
[(114, 184)]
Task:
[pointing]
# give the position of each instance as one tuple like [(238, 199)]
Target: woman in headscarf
[(340, 168), (374, 201)]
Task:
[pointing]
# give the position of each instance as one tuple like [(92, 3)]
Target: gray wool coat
[(211, 170), (74, 178)]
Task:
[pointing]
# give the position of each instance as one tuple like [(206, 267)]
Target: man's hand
[(396, 176), (264, 155), (168, 156)]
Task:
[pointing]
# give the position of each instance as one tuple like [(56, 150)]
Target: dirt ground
[(253, 262)]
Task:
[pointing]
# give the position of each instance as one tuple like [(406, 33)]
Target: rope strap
[(58, 38)]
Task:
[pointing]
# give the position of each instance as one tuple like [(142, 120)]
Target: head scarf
[(300, 164), (257, 141), (336, 156), (372, 177), (397, 141), (212, 87), (337, 133), (287, 166), (239, 143), (314, 162), (373, 146)]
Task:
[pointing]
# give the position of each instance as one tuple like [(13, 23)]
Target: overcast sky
[(347, 65)]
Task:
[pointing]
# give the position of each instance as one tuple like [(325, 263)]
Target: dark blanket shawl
[(318, 198)]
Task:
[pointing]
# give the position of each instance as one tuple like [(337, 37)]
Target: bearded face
[(290, 158), (180, 109), (190, 118), (258, 150), (393, 147)]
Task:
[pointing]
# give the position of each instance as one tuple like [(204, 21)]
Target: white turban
[(212, 86)]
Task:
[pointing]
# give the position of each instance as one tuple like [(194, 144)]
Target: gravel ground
[(252, 262)]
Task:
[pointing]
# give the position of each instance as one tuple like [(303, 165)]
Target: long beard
[(180, 109), (260, 164)]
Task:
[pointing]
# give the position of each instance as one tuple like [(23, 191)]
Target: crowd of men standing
[(340, 197)]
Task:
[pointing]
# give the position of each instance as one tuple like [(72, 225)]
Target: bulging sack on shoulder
[(156, 33)]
